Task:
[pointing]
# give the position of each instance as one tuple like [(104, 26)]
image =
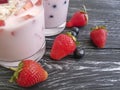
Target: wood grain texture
[(98, 70)]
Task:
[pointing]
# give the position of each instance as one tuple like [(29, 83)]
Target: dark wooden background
[(98, 70)]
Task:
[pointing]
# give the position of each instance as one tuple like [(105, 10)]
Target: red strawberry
[(99, 36), (26, 17), (79, 19), (38, 3), (63, 45), (3, 1), (28, 5), (2, 23), (29, 73)]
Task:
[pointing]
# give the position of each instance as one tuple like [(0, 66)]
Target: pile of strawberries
[(65, 44)]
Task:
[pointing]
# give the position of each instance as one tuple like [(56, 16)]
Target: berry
[(29, 73), (79, 53), (28, 5), (76, 29), (38, 3), (54, 6), (73, 33), (65, 2), (79, 19), (2, 23), (98, 36), (63, 45), (51, 16)]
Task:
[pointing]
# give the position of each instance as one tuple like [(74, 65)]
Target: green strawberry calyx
[(84, 11), (16, 73), (73, 37), (98, 28)]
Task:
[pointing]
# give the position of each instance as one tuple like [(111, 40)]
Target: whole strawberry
[(98, 36), (79, 19), (64, 44), (29, 73)]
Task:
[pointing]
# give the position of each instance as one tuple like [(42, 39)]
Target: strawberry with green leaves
[(63, 45), (79, 19), (29, 73), (98, 36)]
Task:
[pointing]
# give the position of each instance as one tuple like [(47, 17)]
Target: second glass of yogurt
[(55, 16), (21, 31)]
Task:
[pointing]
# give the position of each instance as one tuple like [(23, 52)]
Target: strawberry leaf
[(16, 73)]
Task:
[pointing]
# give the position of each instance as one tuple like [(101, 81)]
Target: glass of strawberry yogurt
[(55, 16), (21, 31)]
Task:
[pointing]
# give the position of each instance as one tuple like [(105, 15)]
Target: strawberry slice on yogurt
[(27, 6), (3, 1), (38, 3), (2, 23), (26, 17)]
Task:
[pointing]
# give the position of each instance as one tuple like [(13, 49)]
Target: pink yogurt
[(22, 37)]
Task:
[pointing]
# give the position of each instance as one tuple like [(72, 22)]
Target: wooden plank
[(99, 69)]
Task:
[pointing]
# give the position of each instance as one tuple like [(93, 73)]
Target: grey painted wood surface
[(98, 70)]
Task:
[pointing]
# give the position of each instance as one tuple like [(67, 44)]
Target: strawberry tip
[(69, 24)]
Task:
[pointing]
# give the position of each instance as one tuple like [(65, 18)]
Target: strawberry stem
[(84, 8), (69, 34), (16, 73), (13, 69), (74, 38), (98, 27)]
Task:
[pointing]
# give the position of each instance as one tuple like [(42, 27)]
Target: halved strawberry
[(63, 45)]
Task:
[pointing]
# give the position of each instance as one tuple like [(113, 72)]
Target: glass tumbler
[(55, 16), (22, 35)]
